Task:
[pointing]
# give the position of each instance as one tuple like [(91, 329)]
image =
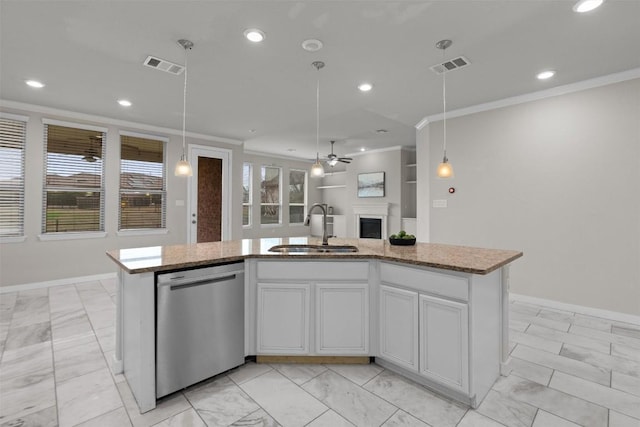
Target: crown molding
[(110, 121), (535, 96)]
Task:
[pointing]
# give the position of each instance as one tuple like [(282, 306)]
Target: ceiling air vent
[(450, 65), (162, 65)]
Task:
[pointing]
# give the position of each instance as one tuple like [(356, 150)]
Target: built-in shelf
[(411, 165), (334, 173), (324, 187), (410, 182)]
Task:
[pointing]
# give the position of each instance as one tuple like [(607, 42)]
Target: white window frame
[(250, 203), (18, 237), (279, 204), (163, 192), (306, 194), (69, 235)]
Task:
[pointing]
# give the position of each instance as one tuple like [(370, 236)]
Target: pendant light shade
[(317, 170), (445, 170), (183, 167)]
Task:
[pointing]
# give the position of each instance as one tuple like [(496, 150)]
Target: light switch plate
[(442, 203), (179, 202)]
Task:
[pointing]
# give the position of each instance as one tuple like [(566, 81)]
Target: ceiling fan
[(333, 159)]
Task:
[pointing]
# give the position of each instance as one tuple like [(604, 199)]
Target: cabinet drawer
[(425, 281), (310, 270)]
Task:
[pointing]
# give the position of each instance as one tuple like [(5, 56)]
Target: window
[(74, 178), (142, 182), (12, 142), (247, 174), (270, 184), (297, 196)]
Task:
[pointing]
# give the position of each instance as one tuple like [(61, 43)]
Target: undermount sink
[(312, 248)]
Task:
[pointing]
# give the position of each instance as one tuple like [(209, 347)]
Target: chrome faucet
[(324, 220)]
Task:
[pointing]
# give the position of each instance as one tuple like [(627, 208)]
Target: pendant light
[(183, 167), (317, 170), (445, 170)]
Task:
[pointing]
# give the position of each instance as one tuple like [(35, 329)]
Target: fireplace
[(370, 228), (371, 220)]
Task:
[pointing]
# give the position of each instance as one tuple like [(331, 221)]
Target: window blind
[(142, 183), (12, 143), (74, 179)]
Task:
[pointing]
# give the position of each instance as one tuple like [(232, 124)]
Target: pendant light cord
[(318, 119), (444, 109), (184, 105)]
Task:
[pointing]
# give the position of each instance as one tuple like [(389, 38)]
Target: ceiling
[(90, 53)]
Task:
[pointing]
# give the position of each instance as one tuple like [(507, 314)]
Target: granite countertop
[(448, 257)]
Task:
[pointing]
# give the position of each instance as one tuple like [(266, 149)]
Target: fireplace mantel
[(372, 210)]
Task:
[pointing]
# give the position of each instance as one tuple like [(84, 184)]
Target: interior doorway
[(209, 203)]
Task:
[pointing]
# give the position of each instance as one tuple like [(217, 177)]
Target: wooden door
[(209, 220)]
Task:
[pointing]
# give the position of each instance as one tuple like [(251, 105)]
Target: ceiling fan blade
[(344, 161), (344, 158)]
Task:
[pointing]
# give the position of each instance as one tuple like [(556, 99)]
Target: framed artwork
[(371, 184)]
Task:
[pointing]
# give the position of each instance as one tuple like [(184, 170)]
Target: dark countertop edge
[(350, 256)]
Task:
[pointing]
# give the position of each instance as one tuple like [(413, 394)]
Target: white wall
[(423, 178), (387, 161), (38, 261), (559, 179), (334, 197), (283, 229)]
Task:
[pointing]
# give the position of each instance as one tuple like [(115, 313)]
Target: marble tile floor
[(567, 369)]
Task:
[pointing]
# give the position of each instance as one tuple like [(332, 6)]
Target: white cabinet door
[(316, 225), (283, 318), (342, 318), (444, 348), (339, 226), (399, 326)]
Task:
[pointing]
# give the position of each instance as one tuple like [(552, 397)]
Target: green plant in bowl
[(402, 238)]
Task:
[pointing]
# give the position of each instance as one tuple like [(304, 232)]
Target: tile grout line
[(53, 361)]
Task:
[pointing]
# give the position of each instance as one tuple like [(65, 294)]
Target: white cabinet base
[(399, 326), (342, 318), (444, 338), (283, 318)]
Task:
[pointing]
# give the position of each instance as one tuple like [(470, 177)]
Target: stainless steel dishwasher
[(200, 325)]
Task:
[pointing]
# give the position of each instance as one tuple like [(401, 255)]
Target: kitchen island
[(434, 313)]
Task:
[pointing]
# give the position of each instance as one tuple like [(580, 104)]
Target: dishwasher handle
[(201, 282), (185, 279)]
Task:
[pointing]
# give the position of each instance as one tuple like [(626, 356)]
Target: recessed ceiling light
[(546, 75), (365, 87), (586, 5), (312, 45), (362, 149), (35, 83), (252, 131), (254, 35), (291, 150), (124, 102), (381, 131)]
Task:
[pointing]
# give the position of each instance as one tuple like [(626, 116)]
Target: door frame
[(226, 155)]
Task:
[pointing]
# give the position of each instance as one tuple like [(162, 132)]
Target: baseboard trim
[(356, 360), (58, 282), (590, 311)]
